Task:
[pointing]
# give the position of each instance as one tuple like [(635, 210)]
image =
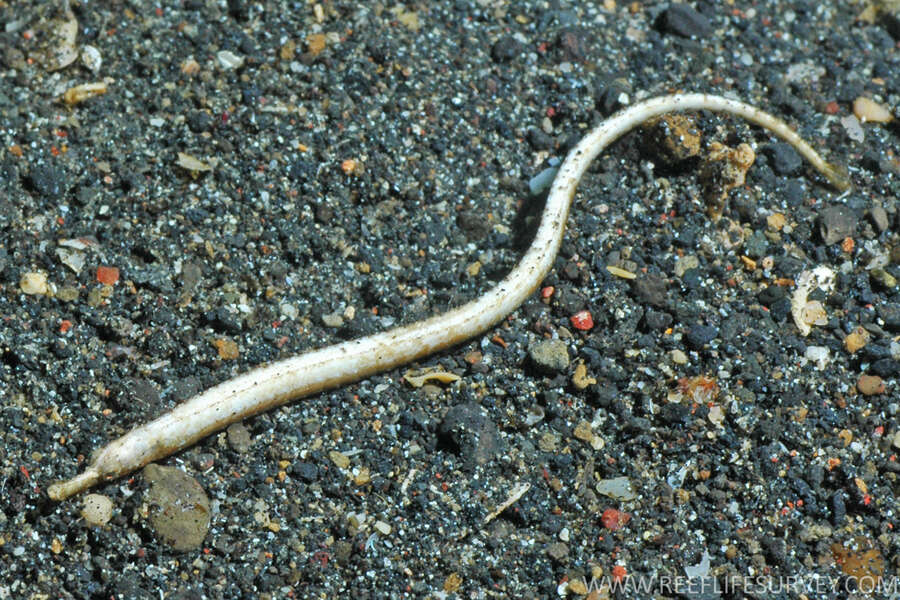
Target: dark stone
[(775, 548), (604, 395), (691, 279), (685, 21), (757, 245), (468, 431), (650, 289), (675, 413), (885, 367), (239, 9), (890, 314), (48, 180), (160, 344), (222, 320), (473, 223), (769, 295), (607, 94), (538, 139), (302, 170), (780, 309), (305, 471), (656, 320), (324, 213), (783, 159), (838, 509), (138, 394), (199, 121), (506, 49), (699, 335), (836, 223), (573, 42)]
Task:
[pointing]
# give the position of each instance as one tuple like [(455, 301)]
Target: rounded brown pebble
[(869, 385), (178, 507)]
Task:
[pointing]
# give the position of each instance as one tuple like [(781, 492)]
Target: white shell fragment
[(189, 163), (34, 283), (71, 258), (60, 49), (229, 60), (419, 377), (853, 128), (810, 313), (91, 58), (820, 355)]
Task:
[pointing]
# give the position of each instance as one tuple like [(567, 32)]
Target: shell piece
[(59, 50), (189, 163), (91, 58), (80, 93), (810, 313), (419, 377)]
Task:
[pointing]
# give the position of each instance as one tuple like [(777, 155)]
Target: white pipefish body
[(272, 385)]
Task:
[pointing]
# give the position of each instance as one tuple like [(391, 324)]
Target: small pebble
[(506, 49), (49, 181), (229, 60), (867, 110), (541, 182), (333, 320), (580, 378), (315, 43), (97, 509), (883, 278), (836, 223), (34, 284), (340, 460), (856, 340), (776, 221), (91, 58), (227, 349), (820, 355), (178, 508), (107, 275), (382, 527), (853, 128), (783, 159), (583, 431), (880, 218), (558, 551), (699, 335), (869, 385), (617, 488), (549, 356), (239, 437), (683, 20), (684, 263)]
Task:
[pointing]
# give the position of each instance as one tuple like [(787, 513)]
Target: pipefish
[(268, 386)]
